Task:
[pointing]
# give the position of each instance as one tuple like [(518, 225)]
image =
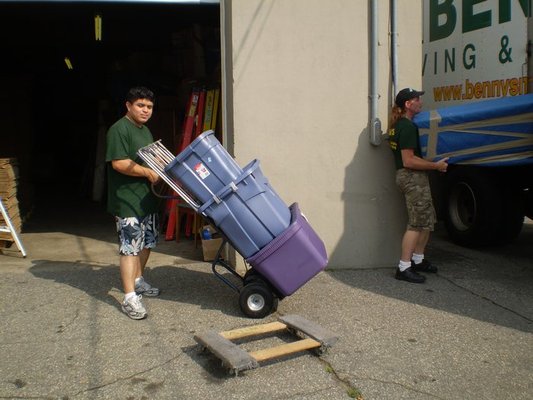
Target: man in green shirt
[(130, 198), (412, 179)]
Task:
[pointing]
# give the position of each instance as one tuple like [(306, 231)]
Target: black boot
[(424, 266), (409, 275)]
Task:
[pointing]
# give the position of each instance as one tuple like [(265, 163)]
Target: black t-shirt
[(404, 135)]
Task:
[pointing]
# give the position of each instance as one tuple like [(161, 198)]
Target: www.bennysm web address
[(482, 90)]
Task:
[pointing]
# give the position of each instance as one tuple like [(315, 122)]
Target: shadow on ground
[(500, 279), (177, 284)]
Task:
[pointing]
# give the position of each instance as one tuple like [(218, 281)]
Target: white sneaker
[(146, 289), (134, 308)]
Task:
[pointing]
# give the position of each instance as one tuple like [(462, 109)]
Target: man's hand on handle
[(442, 165)]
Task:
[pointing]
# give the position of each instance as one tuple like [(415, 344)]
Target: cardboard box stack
[(8, 194)]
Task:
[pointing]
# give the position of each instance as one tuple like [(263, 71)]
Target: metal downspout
[(374, 123), (394, 47)]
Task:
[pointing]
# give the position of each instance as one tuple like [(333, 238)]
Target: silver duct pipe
[(394, 47), (374, 123)]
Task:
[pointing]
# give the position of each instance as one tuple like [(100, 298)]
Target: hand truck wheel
[(257, 300)]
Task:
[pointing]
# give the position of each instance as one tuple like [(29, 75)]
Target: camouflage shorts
[(415, 187)]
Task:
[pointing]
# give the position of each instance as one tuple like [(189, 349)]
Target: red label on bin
[(201, 170)]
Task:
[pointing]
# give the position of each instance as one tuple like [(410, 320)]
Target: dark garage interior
[(55, 118)]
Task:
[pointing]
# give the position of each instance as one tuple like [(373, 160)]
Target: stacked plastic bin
[(276, 241)]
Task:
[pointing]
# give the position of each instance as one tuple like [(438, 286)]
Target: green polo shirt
[(128, 196), (404, 135)]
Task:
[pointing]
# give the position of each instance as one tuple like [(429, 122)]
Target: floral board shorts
[(415, 187), (135, 234)]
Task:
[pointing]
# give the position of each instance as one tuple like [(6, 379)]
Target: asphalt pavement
[(464, 334)]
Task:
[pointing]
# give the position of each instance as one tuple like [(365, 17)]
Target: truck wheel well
[(480, 209)]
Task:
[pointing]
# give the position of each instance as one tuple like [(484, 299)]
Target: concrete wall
[(298, 83)]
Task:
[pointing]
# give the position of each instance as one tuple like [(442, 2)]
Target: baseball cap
[(407, 94)]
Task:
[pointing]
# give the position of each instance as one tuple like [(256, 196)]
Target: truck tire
[(480, 209)]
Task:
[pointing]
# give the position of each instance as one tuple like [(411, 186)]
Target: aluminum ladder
[(9, 228)]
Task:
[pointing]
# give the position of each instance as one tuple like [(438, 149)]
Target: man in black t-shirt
[(412, 179)]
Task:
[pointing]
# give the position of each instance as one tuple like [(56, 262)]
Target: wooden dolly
[(236, 359)]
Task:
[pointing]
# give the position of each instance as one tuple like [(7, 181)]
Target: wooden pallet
[(236, 359)]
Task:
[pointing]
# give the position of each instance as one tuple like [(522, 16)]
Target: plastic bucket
[(292, 258), (249, 212), (204, 167)]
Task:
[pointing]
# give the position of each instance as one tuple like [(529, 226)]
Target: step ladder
[(236, 359), (9, 228)]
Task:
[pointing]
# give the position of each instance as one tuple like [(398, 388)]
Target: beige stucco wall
[(298, 84)]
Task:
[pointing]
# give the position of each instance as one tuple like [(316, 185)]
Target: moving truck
[(476, 75)]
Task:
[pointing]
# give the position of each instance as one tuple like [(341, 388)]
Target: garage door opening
[(62, 87)]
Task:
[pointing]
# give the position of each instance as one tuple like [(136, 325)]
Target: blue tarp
[(495, 132)]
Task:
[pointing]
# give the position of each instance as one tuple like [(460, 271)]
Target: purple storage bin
[(292, 258), (204, 167), (248, 211)]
